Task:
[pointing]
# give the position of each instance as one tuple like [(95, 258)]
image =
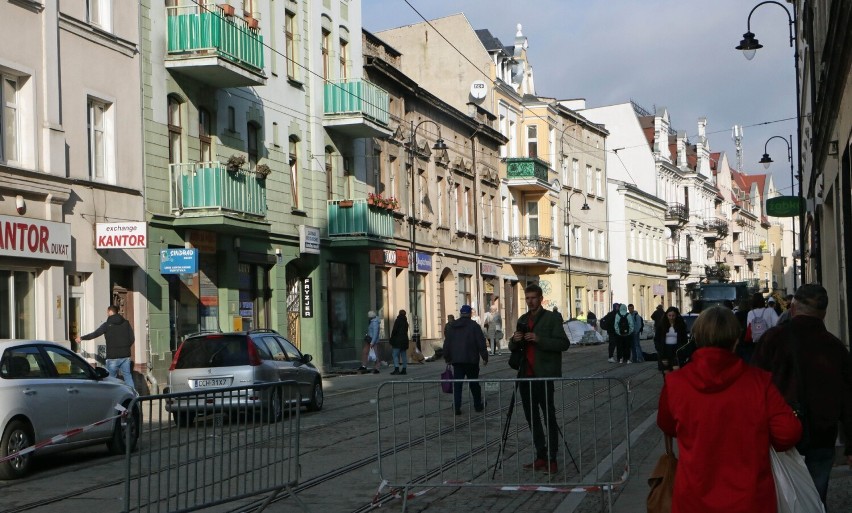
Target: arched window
[(175, 131)]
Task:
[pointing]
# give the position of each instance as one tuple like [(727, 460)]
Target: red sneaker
[(538, 464)]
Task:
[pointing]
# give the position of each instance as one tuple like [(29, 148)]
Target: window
[(253, 149), (232, 119), (175, 131), (325, 62), (565, 172), (417, 291), (464, 290), (9, 121), (589, 184), (578, 241), (599, 183), (554, 227), (491, 223), (575, 172), (205, 146), (578, 300), (100, 13), (380, 278), (513, 147), (532, 141), (98, 125), (329, 172), (592, 246), (294, 172), (290, 43), (505, 215), (442, 193), (17, 304), (532, 219), (344, 56), (602, 245), (67, 364), (486, 217), (470, 225), (552, 145)]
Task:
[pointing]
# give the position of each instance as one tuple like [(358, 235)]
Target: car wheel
[(17, 436), (118, 442), (316, 397), (183, 418), (275, 408)]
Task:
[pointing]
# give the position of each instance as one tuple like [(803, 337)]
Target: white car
[(47, 390)]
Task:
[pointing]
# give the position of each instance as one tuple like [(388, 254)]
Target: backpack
[(622, 325), (759, 326)]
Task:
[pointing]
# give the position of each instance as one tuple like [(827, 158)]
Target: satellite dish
[(478, 91)]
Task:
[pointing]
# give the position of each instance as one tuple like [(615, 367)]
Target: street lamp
[(766, 161), (749, 45), (412, 148), (585, 207)]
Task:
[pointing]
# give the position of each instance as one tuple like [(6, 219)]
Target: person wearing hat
[(371, 339), (771, 303), (464, 345)]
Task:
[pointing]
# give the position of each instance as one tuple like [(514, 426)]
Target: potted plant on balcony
[(262, 171), (235, 163), (345, 203), (392, 203), (227, 9), (252, 22), (373, 199)]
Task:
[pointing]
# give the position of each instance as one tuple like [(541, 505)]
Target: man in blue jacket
[(463, 346)]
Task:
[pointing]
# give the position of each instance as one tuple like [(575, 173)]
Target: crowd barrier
[(422, 442), (208, 447)]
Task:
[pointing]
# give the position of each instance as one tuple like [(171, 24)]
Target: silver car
[(209, 361), (47, 390)]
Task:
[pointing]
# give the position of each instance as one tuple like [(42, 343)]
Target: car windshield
[(213, 351)]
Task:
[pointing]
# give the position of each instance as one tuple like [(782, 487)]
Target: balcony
[(715, 229), (354, 223), (206, 193), (677, 215), (528, 174), (679, 266), (356, 108), (532, 251), (754, 253), (217, 50), (717, 273)]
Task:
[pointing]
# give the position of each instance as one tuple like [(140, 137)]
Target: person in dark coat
[(658, 315), (824, 396), (463, 347), (399, 343), (608, 325), (119, 337), (670, 336)]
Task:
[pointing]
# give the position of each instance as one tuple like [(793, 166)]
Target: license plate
[(211, 382)]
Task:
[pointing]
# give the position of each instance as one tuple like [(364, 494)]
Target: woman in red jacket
[(725, 415)]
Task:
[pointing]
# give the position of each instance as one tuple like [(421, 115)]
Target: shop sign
[(398, 257), (309, 239), (179, 261), (32, 238), (424, 262), (121, 235), (307, 297), (489, 269)]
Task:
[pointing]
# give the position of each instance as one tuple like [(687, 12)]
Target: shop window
[(417, 290), (17, 304)]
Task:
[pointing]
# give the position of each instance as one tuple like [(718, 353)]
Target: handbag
[(516, 358), (794, 487), (446, 380), (661, 481)]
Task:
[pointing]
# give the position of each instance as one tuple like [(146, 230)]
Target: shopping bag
[(372, 355), (661, 481), (446, 384), (794, 486)]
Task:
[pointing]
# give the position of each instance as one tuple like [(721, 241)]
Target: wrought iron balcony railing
[(677, 212), (530, 247), (678, 266), (717, 225)]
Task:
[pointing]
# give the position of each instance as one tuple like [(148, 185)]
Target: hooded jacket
[(118, 335), (465, 342), (623, 312), (724, 465)]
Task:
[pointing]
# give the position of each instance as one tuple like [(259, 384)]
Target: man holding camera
[(542, 339)]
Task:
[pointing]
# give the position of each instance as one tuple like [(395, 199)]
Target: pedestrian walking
[(399, 343), (813, 370), (120, 341), (638, 326), (370, 351), (760, 318), (658, 315), (541, 337), (494, 326), (669, 337), (725, 415), (463, 347), (623, 328), (608, 325), (786, 315)]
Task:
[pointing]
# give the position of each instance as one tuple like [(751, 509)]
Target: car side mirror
[(101, 373), (307, 358)]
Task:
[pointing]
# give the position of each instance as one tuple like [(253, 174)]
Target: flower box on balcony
[(252, 23), (345, 204), (227, 9)]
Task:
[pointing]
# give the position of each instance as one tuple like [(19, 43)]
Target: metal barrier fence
[(423, 442), (207, 447)]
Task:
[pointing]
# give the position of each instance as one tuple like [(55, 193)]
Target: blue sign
[(424, 262), (179, 261)]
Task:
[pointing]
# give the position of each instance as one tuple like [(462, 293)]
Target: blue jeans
[(467, 371), (400, 355), (120, 364), (637, 349), (819, 462)]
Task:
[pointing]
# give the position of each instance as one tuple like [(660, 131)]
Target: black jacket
[(399, 333), (465, 342), (118, 335)]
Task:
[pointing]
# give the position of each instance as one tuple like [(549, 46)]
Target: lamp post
[(766, 161), (412, 148), (749, 45), (585, 207)]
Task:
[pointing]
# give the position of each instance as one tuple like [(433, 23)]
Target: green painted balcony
[(208, 46), (354, 223), (356, 108), (528, 174), (207, 188)]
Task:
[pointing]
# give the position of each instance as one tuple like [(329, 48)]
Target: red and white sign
[(121, 235), (33, 238)]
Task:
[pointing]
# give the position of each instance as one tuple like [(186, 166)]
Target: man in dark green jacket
[(541, 336)]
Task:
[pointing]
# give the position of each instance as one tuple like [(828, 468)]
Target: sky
[(674, 53)]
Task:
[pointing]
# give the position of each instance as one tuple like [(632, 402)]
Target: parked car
[(46, 390), (210, 361)]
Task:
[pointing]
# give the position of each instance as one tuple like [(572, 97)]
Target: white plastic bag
[(794, 486), (372, 355)]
